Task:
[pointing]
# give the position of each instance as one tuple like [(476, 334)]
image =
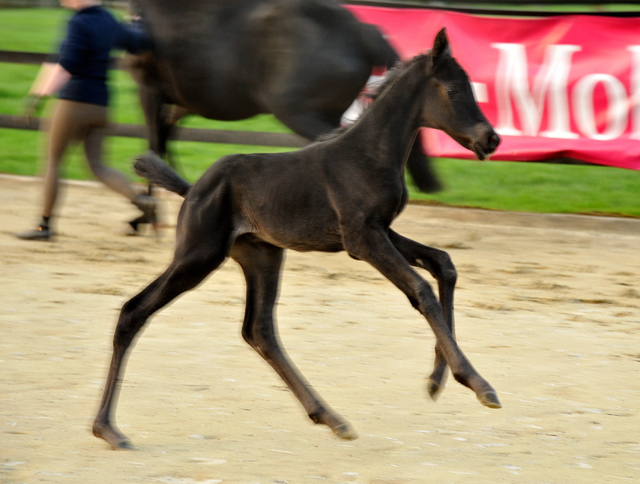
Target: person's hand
[(31, 108)]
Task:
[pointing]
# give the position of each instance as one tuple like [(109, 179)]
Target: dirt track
[(548, 310)]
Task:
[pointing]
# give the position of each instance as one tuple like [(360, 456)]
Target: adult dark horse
[(305, 61), (333, 195)]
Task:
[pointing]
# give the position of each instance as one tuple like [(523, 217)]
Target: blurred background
[(561, 186)]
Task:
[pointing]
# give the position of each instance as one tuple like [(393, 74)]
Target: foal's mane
[(394, 74), (389, 79)]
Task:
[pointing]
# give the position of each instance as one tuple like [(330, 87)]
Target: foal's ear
[(441, 47)]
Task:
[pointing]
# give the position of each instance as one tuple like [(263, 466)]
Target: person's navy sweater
[(92, 34)]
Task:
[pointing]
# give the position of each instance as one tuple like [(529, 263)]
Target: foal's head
[(450, 105)]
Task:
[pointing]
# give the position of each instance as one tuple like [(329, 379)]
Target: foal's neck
[(389, 126)]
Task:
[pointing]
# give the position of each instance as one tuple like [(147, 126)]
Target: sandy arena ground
[(548, 310)]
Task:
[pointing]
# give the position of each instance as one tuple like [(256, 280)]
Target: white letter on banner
[(584, 113), (552, 79), (634, 99)]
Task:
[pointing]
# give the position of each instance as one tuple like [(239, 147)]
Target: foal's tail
[(151, 167)]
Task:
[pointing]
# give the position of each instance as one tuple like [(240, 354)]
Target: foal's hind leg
[(439, 265), (184, 273), (261, 264)]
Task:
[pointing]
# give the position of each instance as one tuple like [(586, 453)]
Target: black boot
[(43, 232)]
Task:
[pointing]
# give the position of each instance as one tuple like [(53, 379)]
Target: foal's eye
[(452, 92)]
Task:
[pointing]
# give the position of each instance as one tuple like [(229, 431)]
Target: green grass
[(537, 187), (529, 187)]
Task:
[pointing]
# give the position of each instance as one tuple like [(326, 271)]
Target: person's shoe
[(41, 233)]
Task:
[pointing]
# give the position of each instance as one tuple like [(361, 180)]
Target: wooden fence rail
[(254, 138)]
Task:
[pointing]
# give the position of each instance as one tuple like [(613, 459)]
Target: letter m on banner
[(550, 85)]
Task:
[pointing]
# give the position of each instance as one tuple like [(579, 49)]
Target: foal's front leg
[(439, 265), (374, 245)]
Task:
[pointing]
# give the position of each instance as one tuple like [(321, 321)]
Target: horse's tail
[(151, 167), (380, 51)]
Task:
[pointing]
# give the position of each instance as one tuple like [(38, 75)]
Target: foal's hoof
[(434, 388), (112, 436), (490, 399), (345, 431), (123, 445)]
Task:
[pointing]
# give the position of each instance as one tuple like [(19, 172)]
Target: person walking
[(81, 113)]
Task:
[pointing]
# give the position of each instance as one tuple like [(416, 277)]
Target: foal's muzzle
[(486, 145)]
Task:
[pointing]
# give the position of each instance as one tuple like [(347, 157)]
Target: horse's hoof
[(434, 388), (123, 445), (133, 227), (345, 431), (112, 436), (490, 399)]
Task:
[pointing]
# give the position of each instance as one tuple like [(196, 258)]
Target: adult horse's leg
[(261, 265), (374, 246), (198, 252), (439, 265), (160, 124), (421, 170), (168, 117)]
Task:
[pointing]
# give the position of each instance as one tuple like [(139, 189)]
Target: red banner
[(561, 86)]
